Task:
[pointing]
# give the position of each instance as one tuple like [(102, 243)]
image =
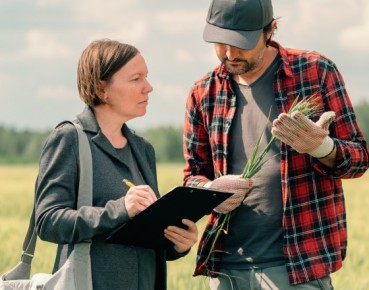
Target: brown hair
[(266, 30), (99, 62)]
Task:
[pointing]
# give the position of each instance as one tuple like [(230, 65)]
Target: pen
[(128, 183)]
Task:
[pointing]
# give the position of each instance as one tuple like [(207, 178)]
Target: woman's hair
[(99, 62)]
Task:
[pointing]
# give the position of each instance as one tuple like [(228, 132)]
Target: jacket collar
[(88, 120), (89, 123)]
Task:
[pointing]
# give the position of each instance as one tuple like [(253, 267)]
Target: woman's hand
[(138, 198), (183, 239)]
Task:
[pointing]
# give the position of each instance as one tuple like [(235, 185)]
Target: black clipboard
[(147, 228)]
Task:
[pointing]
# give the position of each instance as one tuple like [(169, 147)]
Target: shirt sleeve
[(196, 147), (352, 150)]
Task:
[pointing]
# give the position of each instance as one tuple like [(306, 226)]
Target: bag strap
[(23, 269)]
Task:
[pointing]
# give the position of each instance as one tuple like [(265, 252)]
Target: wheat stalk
[(307, 107)]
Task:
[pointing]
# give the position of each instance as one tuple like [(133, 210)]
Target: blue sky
[(41, 41)]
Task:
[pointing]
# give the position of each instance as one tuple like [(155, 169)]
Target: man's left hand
[(303, 135)]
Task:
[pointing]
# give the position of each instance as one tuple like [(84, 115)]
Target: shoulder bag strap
[(23, 269)]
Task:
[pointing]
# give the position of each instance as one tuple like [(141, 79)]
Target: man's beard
[(243, 67)]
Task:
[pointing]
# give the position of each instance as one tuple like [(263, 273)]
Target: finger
[(248, 183), (183, 239), (175, 237), (146, 191), (296, 127), (182, 234), (294, 123), (151, 194), (304, 122), (191, 225), (143, 195), (326, 119), (283, 135)]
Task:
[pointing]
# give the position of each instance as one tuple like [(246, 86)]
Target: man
[(287, 229)]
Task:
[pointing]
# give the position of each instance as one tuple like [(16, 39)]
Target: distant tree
[(362, 114), (167, 142), (20, 146), (24, 146)]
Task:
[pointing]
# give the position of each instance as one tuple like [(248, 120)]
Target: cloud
[(354, 38), (168, 92), (183, 56), (179, 22), (5, 80), (59, 93), (44, 45), (316, 24), (43, 39), (121, 20)]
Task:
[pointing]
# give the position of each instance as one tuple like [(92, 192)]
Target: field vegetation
[(16, 195)]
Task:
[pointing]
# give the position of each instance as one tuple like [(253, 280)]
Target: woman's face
[(127, 93)]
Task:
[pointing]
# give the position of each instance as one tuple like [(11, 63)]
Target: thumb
[(326, 119)]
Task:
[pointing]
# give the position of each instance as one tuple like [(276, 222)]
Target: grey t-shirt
[(255, 233)]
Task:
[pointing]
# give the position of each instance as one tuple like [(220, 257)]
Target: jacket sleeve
[(57, 219)]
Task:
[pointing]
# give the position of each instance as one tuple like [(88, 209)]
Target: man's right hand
[(235, 184)]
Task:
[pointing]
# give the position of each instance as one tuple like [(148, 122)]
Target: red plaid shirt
[(314, 218)]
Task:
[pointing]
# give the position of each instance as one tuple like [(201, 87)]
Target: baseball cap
[(237, 22)]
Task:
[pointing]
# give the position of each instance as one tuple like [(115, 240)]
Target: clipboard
[(147, 228)]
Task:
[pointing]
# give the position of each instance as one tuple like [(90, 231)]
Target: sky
[(41, 41)]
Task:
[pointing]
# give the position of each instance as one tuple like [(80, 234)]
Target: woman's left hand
[(183, 239)]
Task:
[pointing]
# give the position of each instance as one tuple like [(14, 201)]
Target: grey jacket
[(58, 221)]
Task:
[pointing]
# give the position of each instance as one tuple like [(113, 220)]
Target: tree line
[(24, 146)]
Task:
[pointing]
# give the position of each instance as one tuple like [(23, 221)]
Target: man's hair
[(99, 62), (266, 29)]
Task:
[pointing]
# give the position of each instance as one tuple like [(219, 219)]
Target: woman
[(112, 81)]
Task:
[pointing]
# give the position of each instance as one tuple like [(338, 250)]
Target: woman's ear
[(102, 92)]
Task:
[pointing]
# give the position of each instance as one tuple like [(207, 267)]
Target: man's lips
[(233, 62)]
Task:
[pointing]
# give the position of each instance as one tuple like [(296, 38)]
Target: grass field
[(16, 195)]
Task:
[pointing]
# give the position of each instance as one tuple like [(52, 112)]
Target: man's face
[(239, 61)]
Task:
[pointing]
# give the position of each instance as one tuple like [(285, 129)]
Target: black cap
[(237, 22)]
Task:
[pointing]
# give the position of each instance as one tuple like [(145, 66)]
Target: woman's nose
[(149, 88)]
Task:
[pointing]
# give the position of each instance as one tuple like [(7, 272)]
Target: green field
[(16, 195)]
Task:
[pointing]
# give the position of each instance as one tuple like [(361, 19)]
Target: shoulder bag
[(75, 274)]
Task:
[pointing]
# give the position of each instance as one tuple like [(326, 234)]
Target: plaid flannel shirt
[(314, 218)]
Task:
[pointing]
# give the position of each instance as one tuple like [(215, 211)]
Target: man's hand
[(303, 135), (235, 184)]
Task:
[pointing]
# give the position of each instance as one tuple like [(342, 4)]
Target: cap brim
[(240, 39)]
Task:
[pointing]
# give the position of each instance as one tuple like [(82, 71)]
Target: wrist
[(207, 185), (324, 149)]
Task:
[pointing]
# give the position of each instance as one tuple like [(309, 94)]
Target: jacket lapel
[(90, 125), (144, 161)]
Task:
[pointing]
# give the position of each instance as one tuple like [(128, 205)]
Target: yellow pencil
[(128, 183)]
